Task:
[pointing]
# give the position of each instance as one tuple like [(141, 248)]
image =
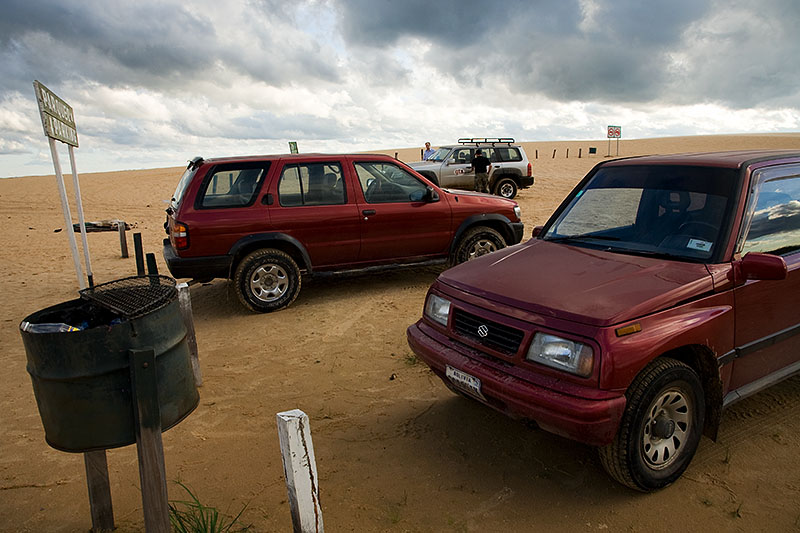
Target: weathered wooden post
[(185, 300), (139, 252), (123, 239), (149, 446), (300, 469), (97, 482)]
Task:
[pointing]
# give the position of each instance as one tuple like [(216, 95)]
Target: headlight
[(570, 356), (518, 212), (437, 309)]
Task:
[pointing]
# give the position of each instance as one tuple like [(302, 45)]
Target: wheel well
[(497, 225), (277, 244), (702, 360), (513, 176)]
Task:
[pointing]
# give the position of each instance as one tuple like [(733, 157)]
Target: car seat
[(245, 185)]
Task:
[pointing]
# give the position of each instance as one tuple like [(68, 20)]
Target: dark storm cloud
[(626, 51), (156, 45)]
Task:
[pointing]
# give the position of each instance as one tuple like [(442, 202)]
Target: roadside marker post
[(58, 122), (614, 132), (300, 469)]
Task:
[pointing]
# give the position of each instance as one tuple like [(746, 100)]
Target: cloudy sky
[(154, 83)]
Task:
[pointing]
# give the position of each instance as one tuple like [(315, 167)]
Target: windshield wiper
[(582, 236)]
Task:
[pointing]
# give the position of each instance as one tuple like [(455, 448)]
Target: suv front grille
[(496, 336)]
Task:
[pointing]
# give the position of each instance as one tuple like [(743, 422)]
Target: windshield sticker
[(697, 244), (580, 193)]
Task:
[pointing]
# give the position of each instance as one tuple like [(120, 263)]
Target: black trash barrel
[(81, 379)]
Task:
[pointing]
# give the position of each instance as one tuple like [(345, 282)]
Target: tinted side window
[(462, 155), (387, 183), (311, 184), (231, 186), (508, 154), (490, 153), (774, 213)]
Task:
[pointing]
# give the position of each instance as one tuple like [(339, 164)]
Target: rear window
[(508, 154), (184, 182), (231, 185)]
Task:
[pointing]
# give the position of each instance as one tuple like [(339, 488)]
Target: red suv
[(262, 221), (662, 290)]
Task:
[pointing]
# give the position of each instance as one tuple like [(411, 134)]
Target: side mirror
[(536, 231), (431, 195), (760, 266)]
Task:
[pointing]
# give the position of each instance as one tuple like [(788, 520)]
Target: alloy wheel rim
[(269, 282), (666, 429), (482, 247), (506, 190)]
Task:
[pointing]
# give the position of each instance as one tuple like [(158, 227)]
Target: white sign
[(57, 117), (614, 132)]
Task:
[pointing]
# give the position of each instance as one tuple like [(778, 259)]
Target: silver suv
[(510, 171)]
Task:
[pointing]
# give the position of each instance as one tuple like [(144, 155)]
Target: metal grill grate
[(134, 296), (498, 337)]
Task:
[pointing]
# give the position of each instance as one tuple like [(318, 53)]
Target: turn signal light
[(180, 236), (628, 330)]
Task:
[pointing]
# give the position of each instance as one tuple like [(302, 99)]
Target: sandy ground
[(396, 451)]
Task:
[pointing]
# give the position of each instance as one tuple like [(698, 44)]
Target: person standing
[(481, 166), (428, 151)]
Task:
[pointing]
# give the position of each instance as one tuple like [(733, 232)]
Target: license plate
[(465, 382)]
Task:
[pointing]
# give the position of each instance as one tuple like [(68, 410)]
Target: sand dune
[(396, 451)]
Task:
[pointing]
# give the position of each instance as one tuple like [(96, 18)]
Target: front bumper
[(196, 267), (591, 421)]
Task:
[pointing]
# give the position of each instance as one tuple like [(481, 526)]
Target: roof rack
[(486, 140)]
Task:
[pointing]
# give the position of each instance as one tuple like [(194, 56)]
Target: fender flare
[(511, 173), (265, 239), (480, 220)]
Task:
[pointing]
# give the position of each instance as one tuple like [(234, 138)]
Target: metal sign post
[(58, 122), (614, 132)]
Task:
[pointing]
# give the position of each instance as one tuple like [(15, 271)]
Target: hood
[(592, 287), (416, 165)]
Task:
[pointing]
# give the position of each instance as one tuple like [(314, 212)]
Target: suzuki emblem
[(483, 331)]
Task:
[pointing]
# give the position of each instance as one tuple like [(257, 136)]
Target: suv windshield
[(668, 211), (440, 154)]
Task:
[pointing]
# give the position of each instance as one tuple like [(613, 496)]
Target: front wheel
[(267, 280), (476, 242), (506, 187), (660, 429)]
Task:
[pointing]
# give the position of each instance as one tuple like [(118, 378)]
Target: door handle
[(368, 212)]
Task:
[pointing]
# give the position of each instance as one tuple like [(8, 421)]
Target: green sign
[(293, 147), (57, 117)]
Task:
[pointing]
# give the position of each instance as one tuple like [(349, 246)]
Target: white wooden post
[(300, 469), (185, 301)]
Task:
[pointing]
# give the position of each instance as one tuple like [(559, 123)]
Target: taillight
[(530, 170), (180, 236)]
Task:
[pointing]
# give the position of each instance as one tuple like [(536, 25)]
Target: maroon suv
[(263, 221), (662, 290)]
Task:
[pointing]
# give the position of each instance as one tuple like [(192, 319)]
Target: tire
[(660, 429), (267, 280), (506, 188), (476, 242)]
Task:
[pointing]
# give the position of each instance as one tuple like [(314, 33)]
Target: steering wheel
[(701, 229)]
